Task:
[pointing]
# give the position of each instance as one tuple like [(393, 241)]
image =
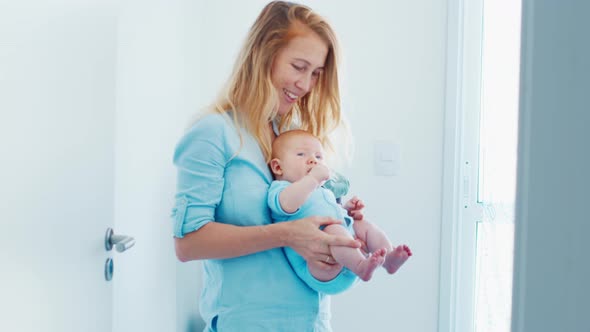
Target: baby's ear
[(275, 167)]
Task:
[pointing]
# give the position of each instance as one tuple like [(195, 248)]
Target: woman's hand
[(306, 238), (354, 206), (364, 249)]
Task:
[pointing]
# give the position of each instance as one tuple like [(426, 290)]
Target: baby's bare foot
[(366, 267), (396, 258)]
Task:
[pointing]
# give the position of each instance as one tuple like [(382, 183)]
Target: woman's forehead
[(308, 48)]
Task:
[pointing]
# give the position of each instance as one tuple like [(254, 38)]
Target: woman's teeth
[(290, 95)]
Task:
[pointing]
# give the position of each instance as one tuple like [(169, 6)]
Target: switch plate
[(386, 158)]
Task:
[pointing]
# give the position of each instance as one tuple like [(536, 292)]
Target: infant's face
[(299, 156)]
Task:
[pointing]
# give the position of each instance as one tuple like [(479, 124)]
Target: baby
[(297, 192)]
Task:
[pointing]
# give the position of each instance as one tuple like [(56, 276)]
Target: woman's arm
[(201, 157), (218, 240)]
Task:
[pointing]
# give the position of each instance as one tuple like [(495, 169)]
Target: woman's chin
[(285, 109)]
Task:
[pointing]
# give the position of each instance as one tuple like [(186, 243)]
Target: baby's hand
[(320, 172), (355, 208)]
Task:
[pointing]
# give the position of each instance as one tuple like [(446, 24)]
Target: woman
[(285, 76)]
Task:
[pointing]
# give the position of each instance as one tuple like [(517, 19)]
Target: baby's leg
[(397, 258), (322, 275), (353, 258), (376, 239)]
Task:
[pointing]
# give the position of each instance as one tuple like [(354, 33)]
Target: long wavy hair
[(250, 93)]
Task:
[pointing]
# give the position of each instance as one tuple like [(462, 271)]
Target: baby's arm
[(294, 195)]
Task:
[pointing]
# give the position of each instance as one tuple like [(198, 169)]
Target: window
[(497, 165)]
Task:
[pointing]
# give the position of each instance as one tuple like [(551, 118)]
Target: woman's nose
[(304, 83)]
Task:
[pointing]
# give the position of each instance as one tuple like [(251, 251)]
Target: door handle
[(120, 242)]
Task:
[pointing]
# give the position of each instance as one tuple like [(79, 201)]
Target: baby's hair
[(284, 137)]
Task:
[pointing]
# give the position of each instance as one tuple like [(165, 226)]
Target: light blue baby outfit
[(321, 202), (219, 181)]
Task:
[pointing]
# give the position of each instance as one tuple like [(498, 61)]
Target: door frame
[(460, 211)]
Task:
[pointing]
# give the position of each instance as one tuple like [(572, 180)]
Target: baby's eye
[(318, 157), (300, 154)]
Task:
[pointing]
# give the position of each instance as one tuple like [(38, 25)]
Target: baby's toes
[(407, 250)]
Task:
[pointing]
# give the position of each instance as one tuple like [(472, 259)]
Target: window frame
[(460, 209)]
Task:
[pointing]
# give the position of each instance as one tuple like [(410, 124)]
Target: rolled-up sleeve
[(200, 158)]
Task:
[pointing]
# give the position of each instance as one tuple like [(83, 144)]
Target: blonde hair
[(250, 93)]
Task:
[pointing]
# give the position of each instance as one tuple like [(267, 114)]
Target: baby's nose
[(312, 161)]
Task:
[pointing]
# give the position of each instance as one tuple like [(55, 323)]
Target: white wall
[(394, 74), (551, 291), (394, 90)]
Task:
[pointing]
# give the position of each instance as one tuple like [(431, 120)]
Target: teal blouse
[(219, 181)]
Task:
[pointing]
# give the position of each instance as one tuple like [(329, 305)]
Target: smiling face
[(295, 153), (297, 68)]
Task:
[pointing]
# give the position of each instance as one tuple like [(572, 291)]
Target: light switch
[(386, 162)]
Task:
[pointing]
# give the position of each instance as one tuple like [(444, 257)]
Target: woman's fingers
[(313, 244), (318, 264), (363, 248), (325, 221), (338, 240)]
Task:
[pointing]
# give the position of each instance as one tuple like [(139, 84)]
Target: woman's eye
[(316, 73), (298, 68)]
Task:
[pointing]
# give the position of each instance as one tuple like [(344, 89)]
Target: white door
[(72, 166), (57, 103)]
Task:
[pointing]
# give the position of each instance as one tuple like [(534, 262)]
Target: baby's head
[(294, 154)]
